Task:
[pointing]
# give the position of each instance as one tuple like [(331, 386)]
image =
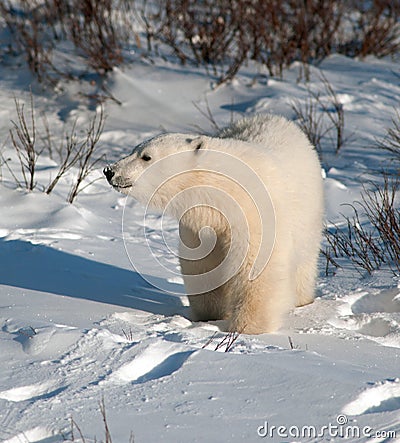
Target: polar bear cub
[(249, 201)]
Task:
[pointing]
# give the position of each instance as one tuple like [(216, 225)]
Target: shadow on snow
[(44, 269)]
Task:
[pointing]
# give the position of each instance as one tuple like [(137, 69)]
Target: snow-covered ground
[(78, 324)]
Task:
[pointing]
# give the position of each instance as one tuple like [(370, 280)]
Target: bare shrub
[(322, 113), (208, 115), (285, 31), (2, 161), (370, 238), (206, 33), (331, 265), (311, 121), (72, 151), (146, 19), (5, 162), (90, 25), (220, 35), (94, 27), (23, 137), (224, 34), (391, 141), (69, 155), (375, 29), (28, 27), (334, 111), (85, 160)]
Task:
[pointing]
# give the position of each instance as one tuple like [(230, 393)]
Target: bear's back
[(272, 131)]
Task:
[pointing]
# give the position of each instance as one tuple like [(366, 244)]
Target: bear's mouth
[(122, 186), (119, 183)]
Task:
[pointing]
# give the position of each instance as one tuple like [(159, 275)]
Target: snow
[(372, 400), (78, 324)]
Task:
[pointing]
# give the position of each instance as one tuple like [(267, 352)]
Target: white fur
[(284, 161)]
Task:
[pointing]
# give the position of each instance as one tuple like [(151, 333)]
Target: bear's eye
[(146, 157)]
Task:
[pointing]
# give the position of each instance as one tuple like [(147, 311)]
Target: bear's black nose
[(109, 173)]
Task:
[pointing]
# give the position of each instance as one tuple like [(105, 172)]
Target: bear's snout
[(109, 173), (114, 177)]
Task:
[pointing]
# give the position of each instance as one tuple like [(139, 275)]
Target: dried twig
[(106, 428), (207, 113), (128, 334), (75, 425), (227, 341)]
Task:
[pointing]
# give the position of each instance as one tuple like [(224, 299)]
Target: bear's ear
[(198, 144)]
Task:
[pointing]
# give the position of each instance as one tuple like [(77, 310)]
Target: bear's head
[(158, 168)]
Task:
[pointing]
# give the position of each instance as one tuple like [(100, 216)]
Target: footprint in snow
[(385, 301), (154, 361), (31, 392), (34, 435), (48, 341), (376, 316), (381, 397)]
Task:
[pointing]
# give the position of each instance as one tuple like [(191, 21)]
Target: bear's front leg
[(261, 305), (209, 306)]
